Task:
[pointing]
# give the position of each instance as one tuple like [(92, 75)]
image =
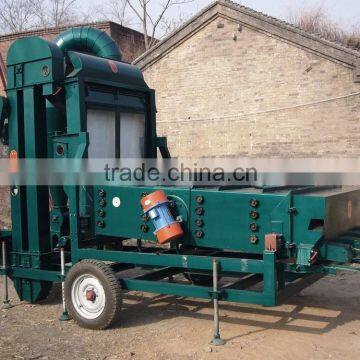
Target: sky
[(344, 12)]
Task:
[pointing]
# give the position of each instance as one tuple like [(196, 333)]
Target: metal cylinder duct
[(89, 40)]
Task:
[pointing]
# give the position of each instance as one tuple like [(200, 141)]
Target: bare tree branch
[(115, 9), (17, 15), (160, 17), (317, 21), (171, 24), (55, 13), (21, 15), (151, 16)]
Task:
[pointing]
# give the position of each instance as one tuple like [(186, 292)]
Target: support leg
[(216, 341), (6, 301), (64, 315), (270, 278), (281, 277)]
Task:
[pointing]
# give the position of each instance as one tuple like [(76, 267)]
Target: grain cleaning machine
[(74, 98)]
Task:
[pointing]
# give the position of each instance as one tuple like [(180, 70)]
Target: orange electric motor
[(156, 206)]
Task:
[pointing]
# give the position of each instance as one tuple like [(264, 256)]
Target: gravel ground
[(323, 322)]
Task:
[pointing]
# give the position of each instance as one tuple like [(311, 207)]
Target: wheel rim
[(88, 296)]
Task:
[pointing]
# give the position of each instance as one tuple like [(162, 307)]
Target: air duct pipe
[(90, 41)]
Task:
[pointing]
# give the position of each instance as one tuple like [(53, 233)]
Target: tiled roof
[(256, 19), (282, 23)]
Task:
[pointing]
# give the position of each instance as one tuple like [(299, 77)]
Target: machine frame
[(48, 94)]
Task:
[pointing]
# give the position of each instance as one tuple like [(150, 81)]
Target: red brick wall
[(130, 42)]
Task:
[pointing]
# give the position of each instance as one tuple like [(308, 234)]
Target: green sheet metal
[(89, 40), (50, 90), (93, 68), (44, 64), (3, 112)]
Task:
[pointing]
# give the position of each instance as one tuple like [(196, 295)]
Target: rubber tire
[(112, 288), (199, 279)]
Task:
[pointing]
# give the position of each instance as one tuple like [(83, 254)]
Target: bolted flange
[(199, 222), (199, 211), (254, 227), (254, 239), (101, 192), (254, 203), (200, 199)]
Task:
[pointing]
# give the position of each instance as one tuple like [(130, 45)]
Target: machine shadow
[(293, 315)]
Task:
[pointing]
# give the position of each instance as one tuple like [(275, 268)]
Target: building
[(131, 43), (235, 82)]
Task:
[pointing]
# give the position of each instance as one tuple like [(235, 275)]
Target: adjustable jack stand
[(216, 341), (64, 315), (6, 301)]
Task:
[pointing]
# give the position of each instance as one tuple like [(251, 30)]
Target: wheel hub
[(88, 296)]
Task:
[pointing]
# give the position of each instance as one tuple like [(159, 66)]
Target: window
[(110, 131), (101, 129), (132, 135)]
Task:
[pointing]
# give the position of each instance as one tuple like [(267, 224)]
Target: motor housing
[(156, 207)]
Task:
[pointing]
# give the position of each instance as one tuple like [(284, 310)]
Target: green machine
[(74, 99)]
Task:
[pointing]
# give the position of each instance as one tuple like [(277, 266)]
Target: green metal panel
[(339, 253), (89, 40), (16, 143), (227, 218), (34, 73), (243, 296), (4, 109), (308, 208), (5, 234), (188, 262), (43, 64), (75, 107), (125, 221), (91, 67), (36, 274), (19, 51)]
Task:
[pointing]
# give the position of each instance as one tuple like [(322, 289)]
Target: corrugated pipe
[(89, 40)]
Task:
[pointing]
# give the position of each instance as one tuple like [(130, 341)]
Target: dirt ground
[(322, 322)]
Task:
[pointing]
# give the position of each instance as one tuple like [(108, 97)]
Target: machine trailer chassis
[(60, 97)]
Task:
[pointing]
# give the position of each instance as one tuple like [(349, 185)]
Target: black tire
[(112, 290), (199, 279)]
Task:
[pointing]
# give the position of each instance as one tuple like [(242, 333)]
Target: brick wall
[(254, 96), (130, 42)]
